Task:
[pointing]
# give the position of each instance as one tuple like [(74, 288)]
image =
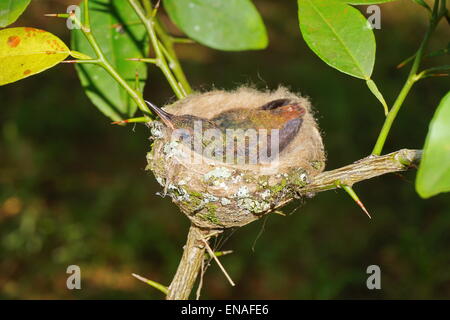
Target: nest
[(214, 194)]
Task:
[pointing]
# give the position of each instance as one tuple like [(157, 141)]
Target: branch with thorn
[(345, 177)]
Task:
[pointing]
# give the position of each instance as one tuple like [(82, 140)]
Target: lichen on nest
[(216, 194)]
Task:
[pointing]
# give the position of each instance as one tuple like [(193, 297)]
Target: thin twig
[(149, 23), (223, 253), (103, 61), (152, 283), (200, 283), (436, 16), (211, 253)]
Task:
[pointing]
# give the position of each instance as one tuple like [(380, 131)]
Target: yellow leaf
[(27, 51)]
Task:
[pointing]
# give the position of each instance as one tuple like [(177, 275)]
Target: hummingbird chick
[(272, 127)]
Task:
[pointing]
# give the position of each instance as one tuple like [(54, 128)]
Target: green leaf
[(433, 176), (10, 10), (231, 25), (339, 34), (27, 51), (117, 43), (365, 2)]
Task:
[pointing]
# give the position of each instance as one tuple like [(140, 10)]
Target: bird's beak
[(165, 116)]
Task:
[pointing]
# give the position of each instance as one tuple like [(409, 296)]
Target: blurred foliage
[(73, 189)]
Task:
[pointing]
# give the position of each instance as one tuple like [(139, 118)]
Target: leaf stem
[(87, 20), (146, 60), (168, 44), (91, 61), (376, 92), (413, 77), (149, 23), (431, 71), (104, 63)]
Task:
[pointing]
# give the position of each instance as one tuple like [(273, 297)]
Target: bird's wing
[(288, 132), (275, 104)]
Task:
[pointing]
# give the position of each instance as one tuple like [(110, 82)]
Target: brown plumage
[(281, 115)]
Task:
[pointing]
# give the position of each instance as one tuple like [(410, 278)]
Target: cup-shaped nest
[(214, 193)]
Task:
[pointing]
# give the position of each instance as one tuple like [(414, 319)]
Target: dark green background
[(73, 189)]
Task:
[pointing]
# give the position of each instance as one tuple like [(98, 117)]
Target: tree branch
[(364, 169), (189, 267)]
